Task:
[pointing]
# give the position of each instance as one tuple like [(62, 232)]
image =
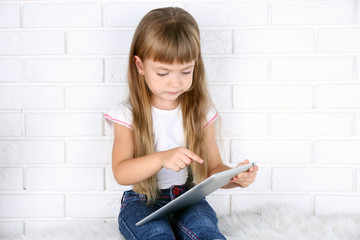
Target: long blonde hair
[(168, 35)]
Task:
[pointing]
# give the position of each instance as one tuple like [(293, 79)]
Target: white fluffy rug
[(287, 223), (275, 222)]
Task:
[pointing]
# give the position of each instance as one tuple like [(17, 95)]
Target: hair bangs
[(173, 43)]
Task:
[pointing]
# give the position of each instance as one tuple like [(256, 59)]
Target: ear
[(139, 65)]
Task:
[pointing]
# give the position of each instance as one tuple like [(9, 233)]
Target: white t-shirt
[(168, 134)]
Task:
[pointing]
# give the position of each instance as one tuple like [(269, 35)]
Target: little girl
[(164, 136)]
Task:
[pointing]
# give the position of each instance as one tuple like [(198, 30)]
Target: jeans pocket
[(131, 196)]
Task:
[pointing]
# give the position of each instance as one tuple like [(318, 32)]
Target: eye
[(186, 73), (162, 74)]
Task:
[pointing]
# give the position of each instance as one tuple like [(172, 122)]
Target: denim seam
[(186, 230)]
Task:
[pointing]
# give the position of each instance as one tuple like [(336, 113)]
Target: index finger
[(193, 156)]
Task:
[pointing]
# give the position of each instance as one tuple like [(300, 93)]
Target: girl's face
[(166, 81)]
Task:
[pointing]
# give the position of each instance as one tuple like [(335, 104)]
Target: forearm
[(135, 170), (219, 168)]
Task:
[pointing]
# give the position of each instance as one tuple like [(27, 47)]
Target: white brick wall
[(44, 70), (284, 75), (58, 15), (31, 42)]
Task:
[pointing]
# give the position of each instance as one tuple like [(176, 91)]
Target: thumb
[(243, 163)]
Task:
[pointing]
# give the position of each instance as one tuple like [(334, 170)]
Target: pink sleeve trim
[(211, 120), (118, 121)]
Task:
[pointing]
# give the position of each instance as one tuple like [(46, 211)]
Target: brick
[(11, 178), (312, 179), (32, 42), (47, 229), (31, 97), (312, 69), (331, 205), (9, 15), (274, 41), (337, 151), (111, 183), (216, 41), (339, 40), (64, 124), (358, 63), (11, 228), (338, 96), (64, 70), (11, 125), (220, 203), (256, 202), (62, 15), (32, 152), (36, 205), (311, 124), (247, 69), (11, 70), (130, 14), (65, 178), (105, 205), (317, 12), (95, 97), (88, 152), (358, 179), (272, 96), (116, 69), (221, 96), (357, 124), (272, 150), (99, 42), (231, 14), (244, 124)]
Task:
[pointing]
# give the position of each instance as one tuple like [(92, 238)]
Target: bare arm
[(216, 165), (128, 170)]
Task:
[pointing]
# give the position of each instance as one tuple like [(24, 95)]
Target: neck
[(169, 105)]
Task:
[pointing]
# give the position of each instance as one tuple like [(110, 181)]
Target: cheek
[(188, 82), (150, 81)]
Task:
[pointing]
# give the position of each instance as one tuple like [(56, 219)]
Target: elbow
[(121, 180), (120, 177)]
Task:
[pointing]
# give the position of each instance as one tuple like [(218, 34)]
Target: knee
[(205, 228), (200, 226), (158, 231)]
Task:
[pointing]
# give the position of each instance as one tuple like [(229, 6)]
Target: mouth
[(173, 93)]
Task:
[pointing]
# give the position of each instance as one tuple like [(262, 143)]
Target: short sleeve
[(211, 117), (121, 114)]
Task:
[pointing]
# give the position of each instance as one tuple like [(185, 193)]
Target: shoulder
[(120, 113)]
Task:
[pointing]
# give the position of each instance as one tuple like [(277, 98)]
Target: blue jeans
[(198, 221)]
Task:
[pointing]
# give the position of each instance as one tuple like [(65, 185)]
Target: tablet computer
[(196, 193)]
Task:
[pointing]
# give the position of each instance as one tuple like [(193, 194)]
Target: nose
[(175, 81)]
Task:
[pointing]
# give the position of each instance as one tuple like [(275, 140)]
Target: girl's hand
[(178, 158), (246, 178)]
